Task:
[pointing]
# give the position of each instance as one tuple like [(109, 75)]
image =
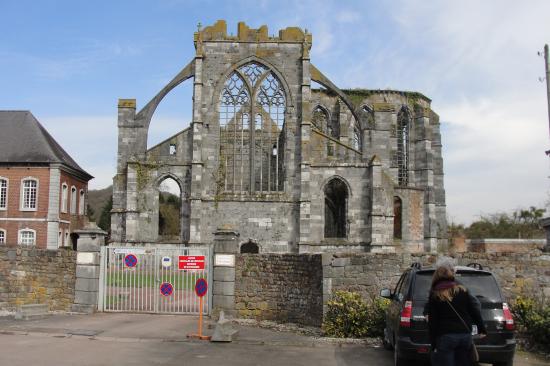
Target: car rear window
[(480, 284)]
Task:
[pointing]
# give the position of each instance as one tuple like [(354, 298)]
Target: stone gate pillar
[(226, 246), (90, 240)]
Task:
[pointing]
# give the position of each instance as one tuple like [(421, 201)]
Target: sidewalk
[(142, 327)]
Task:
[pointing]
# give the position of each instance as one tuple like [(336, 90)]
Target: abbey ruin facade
[(285, 166)]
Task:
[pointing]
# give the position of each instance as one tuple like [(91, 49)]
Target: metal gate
[(149, 280)]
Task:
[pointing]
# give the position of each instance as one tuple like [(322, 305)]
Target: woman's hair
[(445, 271)]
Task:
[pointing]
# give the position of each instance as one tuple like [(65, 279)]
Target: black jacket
[(443, 320)]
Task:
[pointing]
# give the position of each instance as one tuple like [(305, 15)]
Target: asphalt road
[(142, 339), (24, 350)]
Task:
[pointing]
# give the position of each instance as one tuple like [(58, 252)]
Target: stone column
[(90, 240), (226, 245)]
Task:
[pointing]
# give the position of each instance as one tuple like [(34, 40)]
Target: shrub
[(533, 319), (349, 316)]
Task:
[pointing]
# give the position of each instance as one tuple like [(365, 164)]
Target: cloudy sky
[(69, 61)]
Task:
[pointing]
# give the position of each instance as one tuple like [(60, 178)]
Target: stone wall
[(37, 276), (519, 274), (280, 287)]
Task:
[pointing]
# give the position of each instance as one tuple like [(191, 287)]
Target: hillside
[(97, 200)]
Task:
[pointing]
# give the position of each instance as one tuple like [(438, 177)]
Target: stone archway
[(250, 248), (336, 197)]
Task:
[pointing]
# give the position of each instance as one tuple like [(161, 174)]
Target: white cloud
[(92, 141)]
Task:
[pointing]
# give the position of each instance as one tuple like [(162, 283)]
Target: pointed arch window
[(402, 134), (320, 119), (356, 136), (251, 149)]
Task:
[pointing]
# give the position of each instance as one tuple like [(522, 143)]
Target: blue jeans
[(452, 349)]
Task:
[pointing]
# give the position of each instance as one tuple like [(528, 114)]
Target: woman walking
[(451, 312)]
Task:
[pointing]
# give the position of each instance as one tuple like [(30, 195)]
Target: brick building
[(42, 189), (280, 155)]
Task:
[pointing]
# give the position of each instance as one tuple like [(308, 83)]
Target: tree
[(105, 217), (522, 223)]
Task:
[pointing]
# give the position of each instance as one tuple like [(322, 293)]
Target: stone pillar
[(226, 245), (305, 163), (381, 210), (90, 240)]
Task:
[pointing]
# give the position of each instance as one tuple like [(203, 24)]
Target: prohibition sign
[(166, 289), (130, 260), (201, 286)]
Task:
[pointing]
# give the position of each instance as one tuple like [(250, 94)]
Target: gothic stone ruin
[(286, 166)]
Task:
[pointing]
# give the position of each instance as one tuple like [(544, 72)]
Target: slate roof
[(24, 140)]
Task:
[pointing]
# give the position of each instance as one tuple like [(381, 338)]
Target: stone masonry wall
[(37, 276), (519, 274), (280, 287)]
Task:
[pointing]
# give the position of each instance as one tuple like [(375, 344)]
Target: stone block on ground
[(224, 330), (32, 311)]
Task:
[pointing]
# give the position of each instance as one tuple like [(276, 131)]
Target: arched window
[(2, 236), (251, 157), (170, 217), (320, 119), (336, 196), (402, 134), (250, 248), (73, 200), (64, 197), (27, 237), (29, 194), (81, 203), (397, 217), (3, 193)]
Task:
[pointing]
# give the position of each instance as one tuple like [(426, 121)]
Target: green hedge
[(533, 319), (350, 316)]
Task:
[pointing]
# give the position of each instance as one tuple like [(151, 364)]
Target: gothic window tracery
[(402, 134), (251, 157)]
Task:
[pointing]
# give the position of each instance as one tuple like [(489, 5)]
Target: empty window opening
[(397, 217), (320, 119), (169, 224), (172, 149), (336, 196), (402, 134), (250, 248)]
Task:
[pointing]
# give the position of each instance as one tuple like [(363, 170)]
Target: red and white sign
[(191, 262)]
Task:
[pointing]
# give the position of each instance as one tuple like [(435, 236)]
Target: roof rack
[(416, 265), (475, 266)]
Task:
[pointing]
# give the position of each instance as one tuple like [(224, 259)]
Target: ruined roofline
[(368, 92), (168, 139), (218, 32)]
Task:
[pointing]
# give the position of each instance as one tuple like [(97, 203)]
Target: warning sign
[(191, 262)]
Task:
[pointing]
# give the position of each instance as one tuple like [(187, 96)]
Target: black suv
[(406, 330)]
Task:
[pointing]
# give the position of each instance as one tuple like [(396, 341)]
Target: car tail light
[(508, 319), (406, 313)]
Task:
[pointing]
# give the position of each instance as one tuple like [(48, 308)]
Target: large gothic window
[(251, 148), (402, 134)]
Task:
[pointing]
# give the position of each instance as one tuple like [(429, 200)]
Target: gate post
[(90, 240), (226, 245)]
